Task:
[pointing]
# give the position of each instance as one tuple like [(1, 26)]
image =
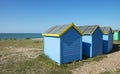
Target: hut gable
[(116, 30), (88, 30), (59, 30), (71, 45), (97, 43), (106, 30)]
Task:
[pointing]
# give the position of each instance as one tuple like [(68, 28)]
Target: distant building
[(116, 35), (107, 39), (92, 40), (63, 43)]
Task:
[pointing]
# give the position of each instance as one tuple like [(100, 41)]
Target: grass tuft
[(28, 38), (96, 59), (106, 72), (36, 41), (118, 71)]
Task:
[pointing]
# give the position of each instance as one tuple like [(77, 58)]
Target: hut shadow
[(116, 47), (86, 52)]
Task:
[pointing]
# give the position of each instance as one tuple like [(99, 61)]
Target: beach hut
[(63, 43), (92, 40), (116, 35), (107, 39)]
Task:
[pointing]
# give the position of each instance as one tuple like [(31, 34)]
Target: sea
[(20, 35)]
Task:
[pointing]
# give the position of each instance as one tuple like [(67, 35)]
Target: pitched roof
[(88, 29), (59, 30), (116, 30), (105, 30)]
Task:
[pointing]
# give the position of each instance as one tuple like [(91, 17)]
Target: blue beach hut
[(63, 43), (107, 39), (92, 40)]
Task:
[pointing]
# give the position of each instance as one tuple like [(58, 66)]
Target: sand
[(111, 63)]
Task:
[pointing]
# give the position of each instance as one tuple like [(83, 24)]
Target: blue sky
[(35, 16)]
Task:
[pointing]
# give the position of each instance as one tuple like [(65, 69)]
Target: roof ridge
[(59, 30), (88, 29), (96, 26)]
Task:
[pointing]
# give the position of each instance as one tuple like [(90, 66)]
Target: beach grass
[(106, 72), (111, 72), (21, 43), (96, 59)]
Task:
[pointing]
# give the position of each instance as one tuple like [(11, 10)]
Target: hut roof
[(105, 30), (88, 29), (59, 30), (116, 30)]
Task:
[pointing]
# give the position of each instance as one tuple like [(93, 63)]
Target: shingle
[(116, 30), (88, 29), (50, 29), (56, 29)]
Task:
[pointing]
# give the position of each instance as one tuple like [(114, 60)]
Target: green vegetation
[(97, 58), (106, 72), (16, 61), (116, 42), (27, 38), (36, 41), (110, 72), (118, 71), (39, 65), (21, 43)]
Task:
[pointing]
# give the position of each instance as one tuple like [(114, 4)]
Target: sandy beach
[(37, 39)]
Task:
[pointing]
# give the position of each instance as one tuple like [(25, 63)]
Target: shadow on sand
[(116, 46)]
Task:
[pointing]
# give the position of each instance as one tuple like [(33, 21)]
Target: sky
[(36, 16)]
